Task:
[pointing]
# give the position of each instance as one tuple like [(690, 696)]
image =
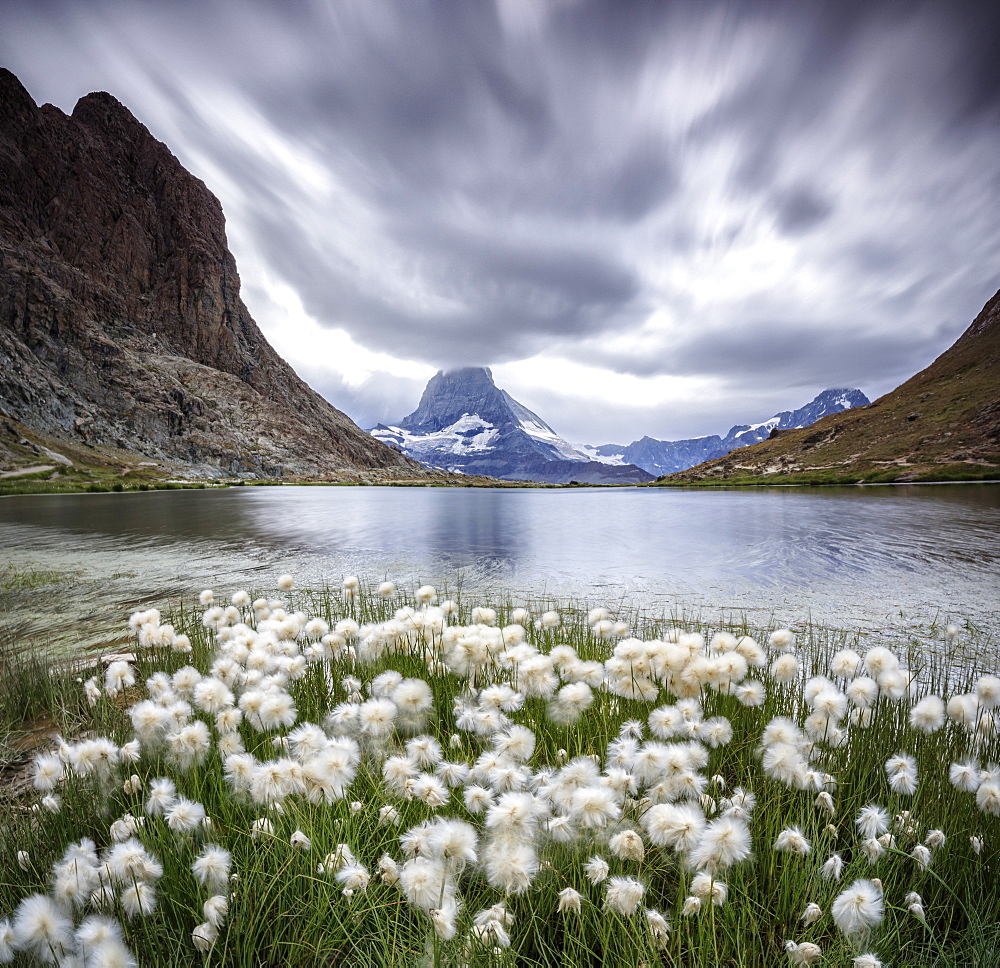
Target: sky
[(658, 217)]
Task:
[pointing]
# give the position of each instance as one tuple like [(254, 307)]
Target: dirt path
[(37, 469)]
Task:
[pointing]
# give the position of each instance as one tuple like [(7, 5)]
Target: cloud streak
[(768, 198)]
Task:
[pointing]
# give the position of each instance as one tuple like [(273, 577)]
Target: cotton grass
[(419, 781)]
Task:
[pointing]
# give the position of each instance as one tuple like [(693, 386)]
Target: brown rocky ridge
[(942, 424), (123, 337)]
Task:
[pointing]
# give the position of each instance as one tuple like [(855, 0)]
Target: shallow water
[(854, 557)]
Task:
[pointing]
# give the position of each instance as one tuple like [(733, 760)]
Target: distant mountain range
[(465, 424), (941, 424), (667, 456)]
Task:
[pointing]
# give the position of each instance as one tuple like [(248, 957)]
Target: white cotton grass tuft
[(846, 664), (922, 855), (94, 930), (803, 954), (785, 669), (812, 913), (511, 867), (353, 877), (659, 927), (724, 842), (596, 870), (569, 900), (867, 960), (862, 692), (692, 905), (792, 840), (212, 866), (118, 676), (988, 797), (593, 807), (832, 867), (988, 691), (111, 953), (965, 775), (872, 821), (781, 640), (48, 771), (901, 772), (674, 825), (184, 816), (204, 936), (216, 909), (624, 895), (709, 889), (41, 927), (928, 714), (138, 900), (858, 908), (627, 845)]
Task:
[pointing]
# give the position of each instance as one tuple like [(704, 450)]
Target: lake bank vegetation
[(826, 477), (366, 777), (46, 483)]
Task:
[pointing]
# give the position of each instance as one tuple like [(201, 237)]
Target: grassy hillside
[(942, 424)]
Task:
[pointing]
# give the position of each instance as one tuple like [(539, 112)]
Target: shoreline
[(28, 488)]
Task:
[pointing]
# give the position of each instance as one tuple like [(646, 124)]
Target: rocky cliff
[(941, 424), (122, 330)]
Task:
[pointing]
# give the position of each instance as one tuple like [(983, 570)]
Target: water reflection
[(846, 555)]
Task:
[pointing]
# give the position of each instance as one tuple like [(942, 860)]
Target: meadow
[(372, 776)]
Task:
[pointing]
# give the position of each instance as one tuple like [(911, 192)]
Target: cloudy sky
[(651, 217)]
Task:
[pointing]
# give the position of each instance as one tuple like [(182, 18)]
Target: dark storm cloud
[(800, 210), (778, 350), (806, 189)]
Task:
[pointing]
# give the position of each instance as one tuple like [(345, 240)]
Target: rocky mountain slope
[(465, 424), (942, 424), (667, 456), (122, 331)]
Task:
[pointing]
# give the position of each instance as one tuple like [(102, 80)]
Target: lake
[(908, 556)]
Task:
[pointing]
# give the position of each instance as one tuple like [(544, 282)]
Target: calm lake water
[(857, 557)]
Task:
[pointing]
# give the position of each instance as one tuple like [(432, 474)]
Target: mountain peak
[(464, 423), (468, 373), (450, 394)]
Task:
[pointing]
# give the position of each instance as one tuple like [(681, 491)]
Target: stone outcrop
[(122, 330)]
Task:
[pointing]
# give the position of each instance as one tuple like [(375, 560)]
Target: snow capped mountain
[(829, 401), (465, 424), (667, 456)]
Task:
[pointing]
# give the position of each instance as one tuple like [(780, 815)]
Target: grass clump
[(351, 777)]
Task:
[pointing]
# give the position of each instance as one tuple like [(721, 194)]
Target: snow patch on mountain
[(467, 435), (603, 453), (547, 435)]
